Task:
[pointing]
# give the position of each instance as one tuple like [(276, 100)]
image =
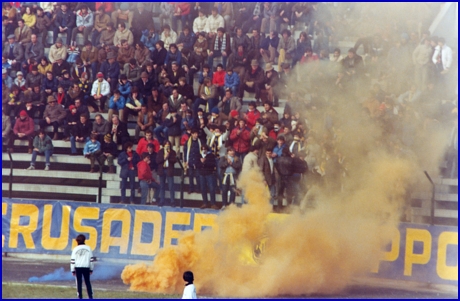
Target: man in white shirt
[(442, 58), (200, 22), (100, 91), (214, 22), (189, 290), (81, 265)]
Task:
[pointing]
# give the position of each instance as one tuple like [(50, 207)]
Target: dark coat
[(124, 163), (209, 166), (122, 131), (172, 159)]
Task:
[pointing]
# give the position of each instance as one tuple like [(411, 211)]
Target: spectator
[(42, 24), (123, 13), (267, 167), (201, 45), (20, 81), (15, 100), (144, 142), (200, 23), (142, 18), (141, 54), (220, 47), (158, 56), (65, 81), (125, 53), (42, 145), (150, 38), (192, 150), (168, 36), (49, 85), (23, 129), (124, 86), (207, 72), (230, 165), (6, 79), (229, 103), (133, 105), (173, 124), (71, 119), (100, 127), (99, 92), (122, 33), (271, 85), (186, 39), (253, 81), (6, 128), (207, 170), (22, 33), (64, 23), (214, 118), (303, 43), (254, 18), (148, 68), (57, 51), (58, 68), (285, 9), (44, 66), (116, 105), (111, 70), (54, 115), (269, 46), (156, 101), (232, 81), (128, 160), (188, 122), (119, 131), (37, 102), (309, 57), (214, 22), (238, 61), (108, 152), (251, 115), (166, 158), (92, 151), (207, 96), (107, 36), (286, 47), (146, 179), (89, 58), (186, 91), (270, 17), (181, 12), (13, 52), (278, 149), (82, 133), (421, 59), (85, 23), (9, 17), (166, 13), (34, 50), (101, 20), (240, 139), (172, 56), (144, 85)]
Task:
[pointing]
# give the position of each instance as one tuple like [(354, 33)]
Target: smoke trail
[(102, 271)]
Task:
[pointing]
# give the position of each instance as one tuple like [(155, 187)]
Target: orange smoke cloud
[(316, 252)]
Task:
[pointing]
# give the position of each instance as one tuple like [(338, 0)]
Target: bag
[(299, 165)]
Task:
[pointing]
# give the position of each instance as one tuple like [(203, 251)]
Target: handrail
[(10, 187), (182, 177), (99, 191), (432, 198)]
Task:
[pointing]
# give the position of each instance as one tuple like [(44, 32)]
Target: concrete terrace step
[(61, 174), (60, 189), (445, 213)]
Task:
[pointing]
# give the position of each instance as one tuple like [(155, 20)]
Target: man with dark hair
[(85, 22), (192, 158), (142, 19), (63, 23), (207, 169), (119, 131), (146, 179), (81, 264), (220, 47), (189, 290), (128, 160), (252, 81), (230, 165), (92, 151)]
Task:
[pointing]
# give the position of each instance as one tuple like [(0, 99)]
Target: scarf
[(224, 43), (299, 146), (215, 144), (60, 98)]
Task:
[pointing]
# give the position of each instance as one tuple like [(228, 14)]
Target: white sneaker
[(31, 167), (47, 167), (223, 208)]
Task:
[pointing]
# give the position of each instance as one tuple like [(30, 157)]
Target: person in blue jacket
[(232, 81), (116, 104)]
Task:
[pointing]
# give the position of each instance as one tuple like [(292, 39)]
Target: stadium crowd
[(128, 67)]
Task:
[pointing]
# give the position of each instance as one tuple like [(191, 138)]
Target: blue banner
[(417, 253)]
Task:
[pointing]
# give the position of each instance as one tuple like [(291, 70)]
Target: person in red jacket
[(143, 142), (146, 180), (23, 130), (251, 115), (182, 13), (218, 79), (240, 138)]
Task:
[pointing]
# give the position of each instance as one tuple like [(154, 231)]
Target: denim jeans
[(124, 182), (145, 190), (161, 132), (163, 189), (193, 174), (48, 154), (73, 144), (208, 182), (217, 53), (225, 188)]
